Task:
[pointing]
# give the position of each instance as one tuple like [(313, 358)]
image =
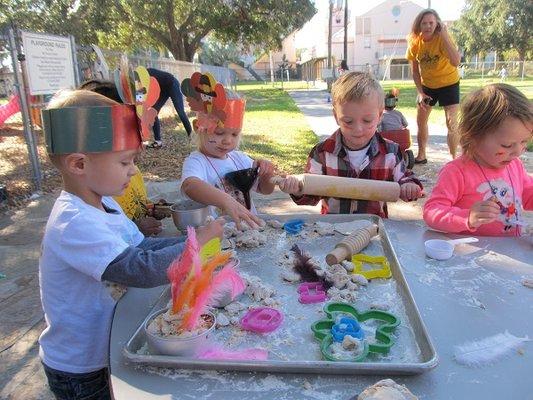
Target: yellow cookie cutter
[(383, 272)]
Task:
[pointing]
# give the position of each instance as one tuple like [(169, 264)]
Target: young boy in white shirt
[(93, 141)]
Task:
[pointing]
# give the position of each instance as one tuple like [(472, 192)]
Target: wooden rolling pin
[(347, 188), (352, 244)]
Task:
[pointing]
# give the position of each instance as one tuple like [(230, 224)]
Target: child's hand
[(266, 168), (239, 213), (410, 191), (291, 185), (149, 226), (212, 230), (483, 212)]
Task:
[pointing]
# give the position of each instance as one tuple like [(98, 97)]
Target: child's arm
[(527, 192), (146, 265), (404, 121), (291, 185), (266, 171), (440, 211), (205, 193)]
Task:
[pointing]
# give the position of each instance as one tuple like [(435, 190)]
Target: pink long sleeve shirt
[(462, 182)]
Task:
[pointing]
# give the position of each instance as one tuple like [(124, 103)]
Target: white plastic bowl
[(443, 249)]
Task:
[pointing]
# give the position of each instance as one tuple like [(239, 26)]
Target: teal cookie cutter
[(322, 330)]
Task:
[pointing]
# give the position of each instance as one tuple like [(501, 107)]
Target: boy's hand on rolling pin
[(291, 185), (212, 230), (266, 168), (410, 191), (240, 213), (483, 212)]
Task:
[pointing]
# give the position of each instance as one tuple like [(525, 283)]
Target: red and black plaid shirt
[(383, 162)]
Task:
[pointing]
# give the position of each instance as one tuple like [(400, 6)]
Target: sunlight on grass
[(275, 129)]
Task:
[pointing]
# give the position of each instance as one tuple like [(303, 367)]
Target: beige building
[(376, 38)]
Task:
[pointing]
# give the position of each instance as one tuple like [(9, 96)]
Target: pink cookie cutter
[(262, 320), (311, 292)]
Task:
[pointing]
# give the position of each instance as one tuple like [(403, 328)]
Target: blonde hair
[(79, 98), (483, 110), (355, 86), (75, 98)]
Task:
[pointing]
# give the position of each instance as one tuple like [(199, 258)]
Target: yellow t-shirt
[(134, 199), (435, 67)]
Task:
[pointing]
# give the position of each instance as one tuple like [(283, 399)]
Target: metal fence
[(180, 69)]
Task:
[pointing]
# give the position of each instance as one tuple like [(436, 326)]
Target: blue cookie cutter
[(293, 226), (347, 326)]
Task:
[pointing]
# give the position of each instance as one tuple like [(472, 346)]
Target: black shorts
[(446, 96)]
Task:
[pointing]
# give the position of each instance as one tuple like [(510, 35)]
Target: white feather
[(487, 350)]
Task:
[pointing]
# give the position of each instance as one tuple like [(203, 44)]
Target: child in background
[(356, 150), (392, 120), (484, 190), (88, 239), (218, 126)]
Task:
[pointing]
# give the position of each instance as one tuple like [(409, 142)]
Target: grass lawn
[(275, 129)]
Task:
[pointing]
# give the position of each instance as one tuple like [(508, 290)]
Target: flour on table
[(386, 389)]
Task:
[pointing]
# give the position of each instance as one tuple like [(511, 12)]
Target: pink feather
[(188, 261), (199, 306), (227, 278), (220, 353)]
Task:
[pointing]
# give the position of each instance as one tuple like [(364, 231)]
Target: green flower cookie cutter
[(383, 272), (384, 341)]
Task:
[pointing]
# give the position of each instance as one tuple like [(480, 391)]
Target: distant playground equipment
[(13, 106), (10, 108)]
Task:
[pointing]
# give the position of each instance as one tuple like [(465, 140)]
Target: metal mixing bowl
[(189, 213), (176, 346)]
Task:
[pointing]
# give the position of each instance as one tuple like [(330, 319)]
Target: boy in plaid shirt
[(356, 150)]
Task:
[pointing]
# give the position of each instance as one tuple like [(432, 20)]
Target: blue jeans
[(177, 99), (69, 386)]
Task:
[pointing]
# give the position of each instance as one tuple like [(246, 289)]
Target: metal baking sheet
[(292, 347)]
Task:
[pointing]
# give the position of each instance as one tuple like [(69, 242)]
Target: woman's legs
[(422, 116), (451, 123)]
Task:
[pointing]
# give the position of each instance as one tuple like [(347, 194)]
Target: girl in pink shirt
[(485, 190)]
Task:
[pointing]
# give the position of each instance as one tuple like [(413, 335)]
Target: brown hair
[(483, 110), (414, 35), (354, 86)]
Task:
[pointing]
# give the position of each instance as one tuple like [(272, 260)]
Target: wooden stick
[(346, 188), (353, 244)]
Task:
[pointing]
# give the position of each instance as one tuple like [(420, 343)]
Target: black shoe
[(424, 161)]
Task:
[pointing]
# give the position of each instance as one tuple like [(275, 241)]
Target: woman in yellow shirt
[(434, 59)]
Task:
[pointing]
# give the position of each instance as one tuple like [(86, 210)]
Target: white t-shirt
[(212, 171), (358, 158), (79, 242)]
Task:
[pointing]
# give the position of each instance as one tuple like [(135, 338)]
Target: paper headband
[(106, 128), (209, 99)]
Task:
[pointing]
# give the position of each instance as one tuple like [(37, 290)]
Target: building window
[(367, 26), (367, 42)]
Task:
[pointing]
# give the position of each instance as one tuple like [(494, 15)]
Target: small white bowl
[(443, 249), (439, 249)]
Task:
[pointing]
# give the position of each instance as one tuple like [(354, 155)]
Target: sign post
[(21, 87)]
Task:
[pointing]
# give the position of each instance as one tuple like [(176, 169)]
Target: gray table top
[(474, 295)]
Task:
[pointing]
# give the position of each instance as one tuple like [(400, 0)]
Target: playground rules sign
[(49, 62)]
